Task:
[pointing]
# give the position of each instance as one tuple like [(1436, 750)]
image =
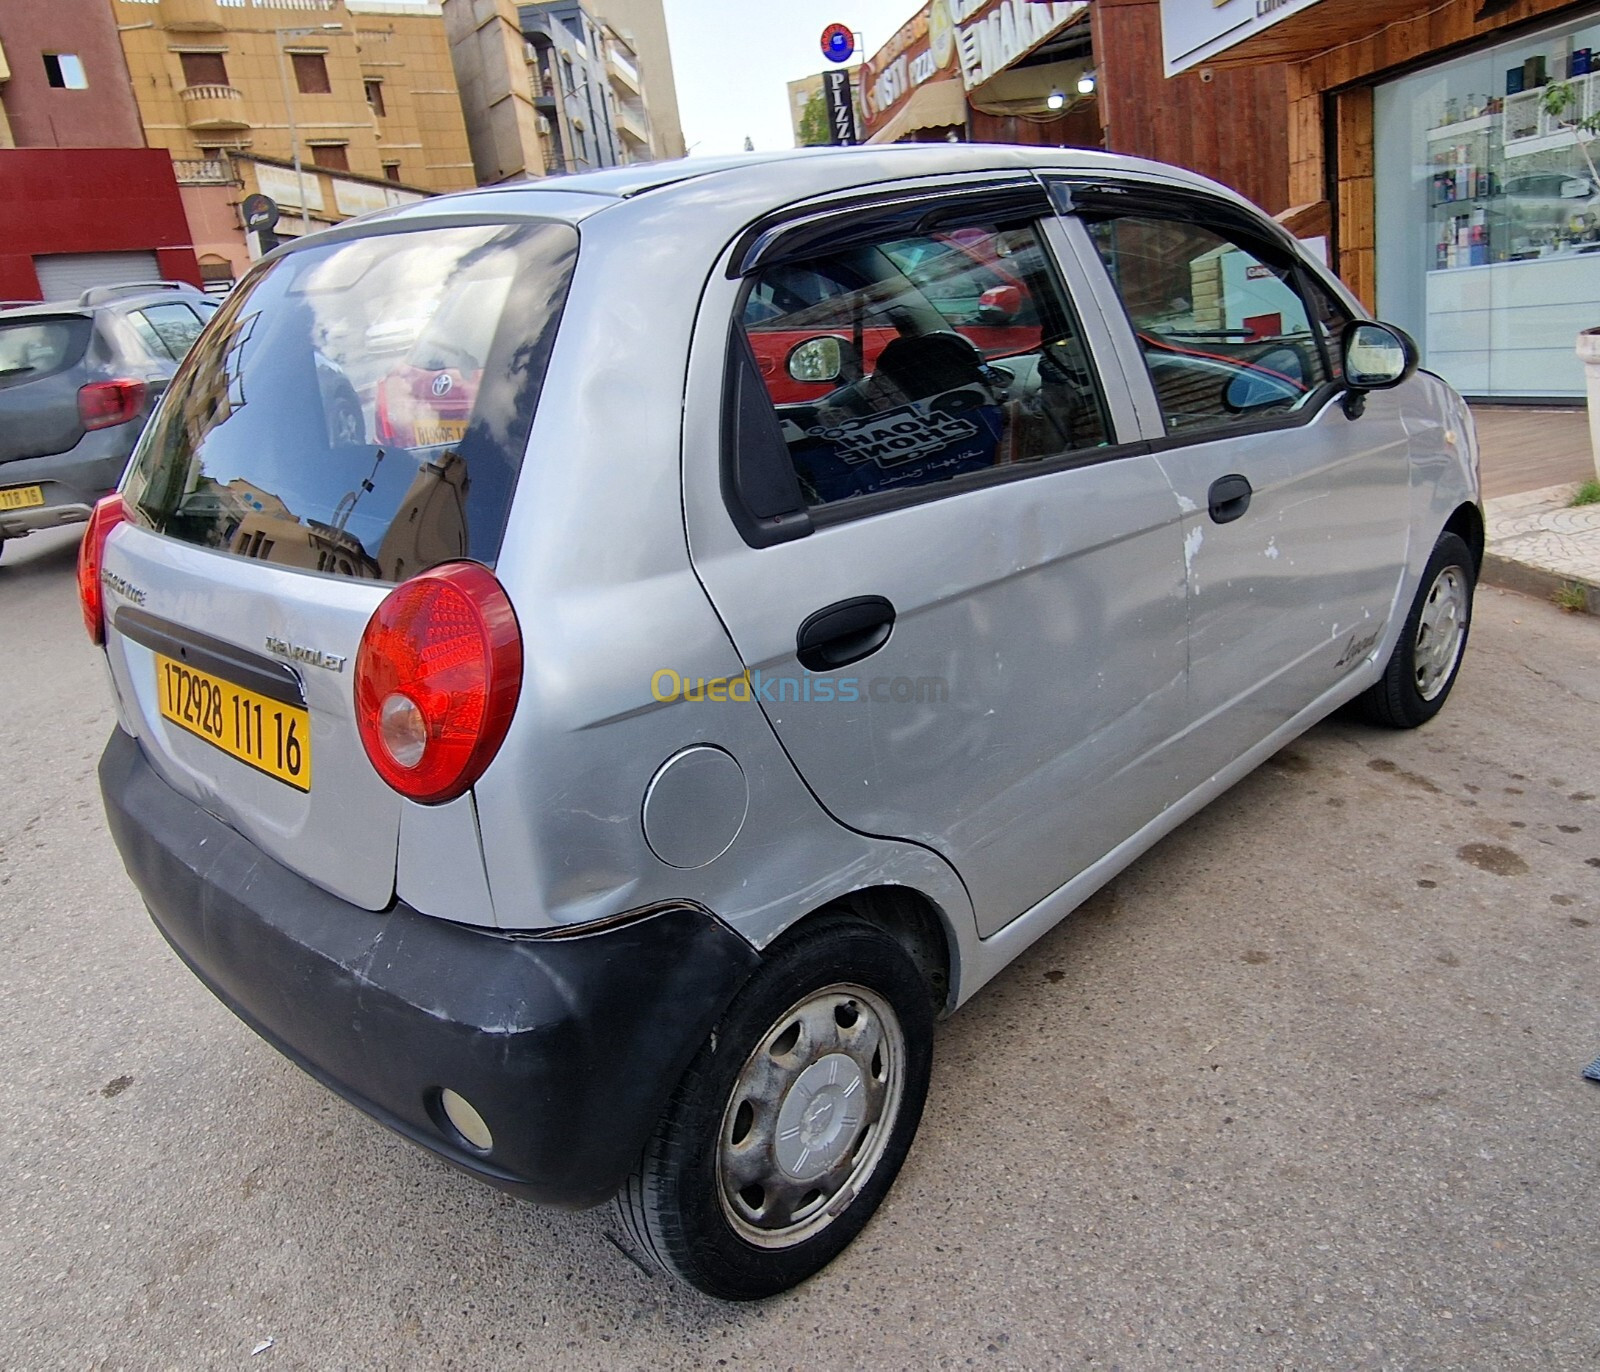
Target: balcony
[(213, 107), (622, 69), (205, 171), (192, 16), (631, 122)]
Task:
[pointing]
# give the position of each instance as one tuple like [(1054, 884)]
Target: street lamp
[(278, 35)]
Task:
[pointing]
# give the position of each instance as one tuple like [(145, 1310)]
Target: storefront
[(995, 71), (1462, 208), (1488, 213)]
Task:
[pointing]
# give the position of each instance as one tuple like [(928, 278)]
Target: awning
[(933, 105)]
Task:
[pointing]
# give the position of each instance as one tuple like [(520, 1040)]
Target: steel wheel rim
[(1441, 630), (810, 1115)]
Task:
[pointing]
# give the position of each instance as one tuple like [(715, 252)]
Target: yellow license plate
[(445, 431), (21, 498), (260, 732)]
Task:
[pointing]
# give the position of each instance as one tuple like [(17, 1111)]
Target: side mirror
[(819, 359), (1377, 357)]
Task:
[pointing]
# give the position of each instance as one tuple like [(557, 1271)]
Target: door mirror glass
[(817, 359), (1377, 356)]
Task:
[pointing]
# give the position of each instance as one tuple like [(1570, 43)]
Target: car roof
[(131, 296), (780, 177)]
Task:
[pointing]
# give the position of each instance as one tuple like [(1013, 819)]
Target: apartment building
[(83, 202), (555, 86), (329, 107)]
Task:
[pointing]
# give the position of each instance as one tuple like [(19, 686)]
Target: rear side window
[(1223, 328), (914, 361), (362, 408), (36, 348), (168, 330)]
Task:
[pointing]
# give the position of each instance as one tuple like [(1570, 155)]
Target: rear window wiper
[(16, 371)]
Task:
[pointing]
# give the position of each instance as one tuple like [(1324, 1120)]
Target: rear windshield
[(35, 348), (362, 408)]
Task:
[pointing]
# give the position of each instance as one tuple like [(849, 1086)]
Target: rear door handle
[(1229, 497), (845, 632)]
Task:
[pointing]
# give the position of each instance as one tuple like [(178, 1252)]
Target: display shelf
[(1462, 128)]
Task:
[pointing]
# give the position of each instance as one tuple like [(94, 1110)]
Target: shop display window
[(1489, 212)]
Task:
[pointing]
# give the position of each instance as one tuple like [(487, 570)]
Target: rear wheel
[(1423, 667), (788, 1128)]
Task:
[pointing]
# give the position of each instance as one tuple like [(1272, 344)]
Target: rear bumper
[(70, 482), (567, 1047)]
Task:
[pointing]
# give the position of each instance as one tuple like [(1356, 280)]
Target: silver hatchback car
[(603, 665)]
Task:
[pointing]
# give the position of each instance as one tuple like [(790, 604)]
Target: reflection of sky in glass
[(313, 340)]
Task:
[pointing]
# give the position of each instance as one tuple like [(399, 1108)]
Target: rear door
[(1295, 514), (267, 527), (976, 642)]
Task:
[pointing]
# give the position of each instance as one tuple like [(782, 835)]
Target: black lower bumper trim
[(567, 1047)]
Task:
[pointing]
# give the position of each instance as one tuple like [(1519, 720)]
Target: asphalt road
[(1301, 1089)]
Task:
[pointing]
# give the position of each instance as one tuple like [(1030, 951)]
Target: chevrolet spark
[(607, 782)]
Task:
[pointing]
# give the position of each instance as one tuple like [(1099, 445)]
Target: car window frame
[(752, 450), (1086, 199)]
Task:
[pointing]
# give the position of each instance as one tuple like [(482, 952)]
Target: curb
[(1510, 575)]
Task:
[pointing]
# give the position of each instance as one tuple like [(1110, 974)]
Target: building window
[(333, 156), (64, 71), (203, 69), (392, 170), (311, 73), (375, 97)]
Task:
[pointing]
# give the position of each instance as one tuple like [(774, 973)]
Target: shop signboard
[(923, 50), (992, 34), (975, 39), (1193, 32), (284, 185), (841, 107)]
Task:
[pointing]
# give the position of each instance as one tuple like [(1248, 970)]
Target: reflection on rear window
[(35, 348), (361, 408)]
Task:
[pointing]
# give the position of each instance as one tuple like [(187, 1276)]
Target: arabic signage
[(974, 40), (1193, 32)]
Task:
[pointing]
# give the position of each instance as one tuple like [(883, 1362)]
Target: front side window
[(361, 408), (917, 360), (1224, 330)]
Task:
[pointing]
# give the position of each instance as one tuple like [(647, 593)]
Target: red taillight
[(104, 403), (108, 513), (437, 678)]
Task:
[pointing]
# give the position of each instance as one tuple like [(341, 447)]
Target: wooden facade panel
[(1378, 47), (1355, 133), (1233, 128)]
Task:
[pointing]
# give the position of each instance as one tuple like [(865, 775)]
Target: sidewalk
[(1532, 461)]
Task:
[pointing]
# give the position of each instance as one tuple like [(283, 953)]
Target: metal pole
[(294, 133)]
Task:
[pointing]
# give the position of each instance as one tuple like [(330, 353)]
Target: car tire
[(809, 1089), (1422, 669)]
